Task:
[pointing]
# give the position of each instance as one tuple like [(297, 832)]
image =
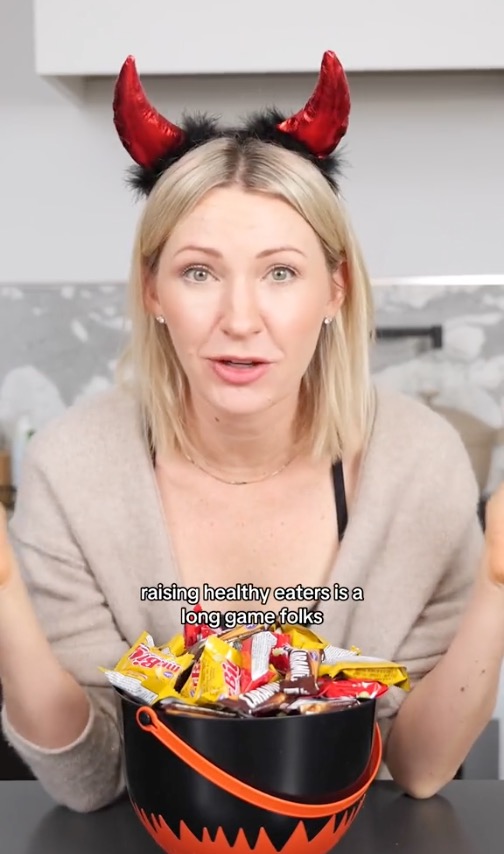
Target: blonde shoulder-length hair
[(336, 401)]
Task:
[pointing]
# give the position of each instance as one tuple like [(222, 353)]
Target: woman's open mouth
[(239, 371)]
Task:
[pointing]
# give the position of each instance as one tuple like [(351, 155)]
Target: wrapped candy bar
[(256, 654), (148, 673), (318, 705), (302, 673), (336, 661), (216, 675), (347, 689), (251, 671)]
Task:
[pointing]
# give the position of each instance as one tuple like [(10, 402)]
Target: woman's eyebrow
[(210, 251)]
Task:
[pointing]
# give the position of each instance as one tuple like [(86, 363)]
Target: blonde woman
[(245, 443)]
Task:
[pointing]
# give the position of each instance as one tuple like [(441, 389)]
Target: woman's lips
[(239, 372)]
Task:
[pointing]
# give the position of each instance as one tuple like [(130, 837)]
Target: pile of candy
[(251, 671)]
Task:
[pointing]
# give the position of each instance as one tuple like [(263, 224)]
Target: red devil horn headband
[(323, 121), (145, 133), (149, 137)]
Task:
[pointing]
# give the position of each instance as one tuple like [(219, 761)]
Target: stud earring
[(160, 318), (328, 320)]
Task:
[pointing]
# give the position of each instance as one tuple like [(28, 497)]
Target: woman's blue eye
[(282, 271), (201, 273)]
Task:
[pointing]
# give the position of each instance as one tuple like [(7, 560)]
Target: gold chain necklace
[(239, 482)]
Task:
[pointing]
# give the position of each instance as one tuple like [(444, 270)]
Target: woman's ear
[(149, 292), (339, 288)]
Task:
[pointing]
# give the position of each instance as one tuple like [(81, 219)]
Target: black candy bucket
[(263, 786)]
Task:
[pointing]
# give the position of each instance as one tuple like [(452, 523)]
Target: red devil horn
[(145, 134), (323, 121)]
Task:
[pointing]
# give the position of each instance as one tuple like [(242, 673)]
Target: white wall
[(91, 36), (425, 186)]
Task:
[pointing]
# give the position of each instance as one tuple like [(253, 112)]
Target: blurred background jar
[(6, 490)]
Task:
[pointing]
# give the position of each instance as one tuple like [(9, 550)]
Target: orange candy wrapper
[(218, 668)]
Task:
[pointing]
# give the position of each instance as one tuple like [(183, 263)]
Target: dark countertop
[(467, 817)]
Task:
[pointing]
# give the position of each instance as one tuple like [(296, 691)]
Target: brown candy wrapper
[(303, 671), (172, 706), (314, 706), (259, 701)]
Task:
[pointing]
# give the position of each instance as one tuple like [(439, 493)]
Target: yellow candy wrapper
[(176, 645), (144, 671), (216, 675), (353, 665), (302, 638)]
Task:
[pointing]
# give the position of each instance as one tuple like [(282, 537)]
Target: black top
[(340, 498)]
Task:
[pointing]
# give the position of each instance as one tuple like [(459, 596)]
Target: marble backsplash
[(60, 344)]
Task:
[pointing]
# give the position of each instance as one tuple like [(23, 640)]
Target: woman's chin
[(240, 403)]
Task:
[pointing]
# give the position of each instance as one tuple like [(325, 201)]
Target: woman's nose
[(241, 313)]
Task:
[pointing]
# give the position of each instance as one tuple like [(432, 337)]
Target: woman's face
[(244, 288)]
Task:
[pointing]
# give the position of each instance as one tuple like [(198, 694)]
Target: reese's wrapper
[(302, 674)]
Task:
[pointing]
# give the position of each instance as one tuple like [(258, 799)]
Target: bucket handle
[(148, 720)]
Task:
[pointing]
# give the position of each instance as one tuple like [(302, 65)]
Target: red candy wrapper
[(279, 657), (194, 635), (256, 653), (347, 689)]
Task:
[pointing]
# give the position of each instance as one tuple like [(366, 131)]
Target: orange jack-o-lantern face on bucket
[(299, 843), (191, 805)]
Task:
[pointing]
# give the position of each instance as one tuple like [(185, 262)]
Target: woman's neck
[(242, 447)]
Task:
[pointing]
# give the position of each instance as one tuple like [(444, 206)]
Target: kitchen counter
[(467, 817)]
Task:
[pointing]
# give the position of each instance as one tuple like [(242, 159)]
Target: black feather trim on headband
[(201, 128)]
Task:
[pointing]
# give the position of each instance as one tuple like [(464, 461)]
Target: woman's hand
[(494, 537), (8, 565)]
